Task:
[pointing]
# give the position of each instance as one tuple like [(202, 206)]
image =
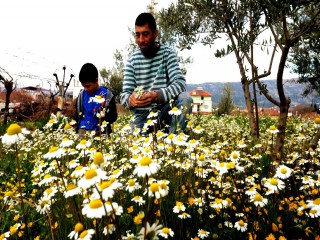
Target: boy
[(95, 103)]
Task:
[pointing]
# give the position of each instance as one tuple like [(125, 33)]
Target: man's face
[(145, 38), (90, 87)]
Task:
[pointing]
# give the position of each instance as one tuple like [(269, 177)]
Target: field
[(215, 181)]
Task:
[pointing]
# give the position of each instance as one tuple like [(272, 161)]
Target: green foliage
[(113, 77), (225, 105)]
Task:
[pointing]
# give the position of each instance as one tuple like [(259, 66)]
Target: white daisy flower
[(71, 190), (258, 200), (139, 200), (235, 156), (184, 215), (54, 152), (75, 233), (132, 185), (175, 111), (84, 144), (66, 142), (99, 99), (44, 205), (198, 129), (273, 185), (91, 177), (241, 225), (79, 171), (109, 229), (166, 232), (146, 167), (272, 129), (203, 234), (150, 232), (86, 234), (94, 209), (153, 115), (47, 179), (14, 134), (283, 172)]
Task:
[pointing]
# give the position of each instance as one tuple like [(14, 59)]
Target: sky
[(39, 37)]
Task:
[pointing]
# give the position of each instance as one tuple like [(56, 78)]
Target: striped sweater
[(161, 74)]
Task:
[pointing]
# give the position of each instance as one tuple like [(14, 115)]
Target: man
[(153, 69)]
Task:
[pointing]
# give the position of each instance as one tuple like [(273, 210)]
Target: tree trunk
[(9, 89), (284, 106)]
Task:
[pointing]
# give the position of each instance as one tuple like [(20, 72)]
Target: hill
[(292, 90)]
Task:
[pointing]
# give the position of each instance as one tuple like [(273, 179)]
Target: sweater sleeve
[(176, 82), (129, 84)]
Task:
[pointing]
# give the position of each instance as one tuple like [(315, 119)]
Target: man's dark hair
[(146, 18), (88, 73)]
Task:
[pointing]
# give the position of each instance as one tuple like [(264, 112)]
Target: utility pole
[(62, 86), (151, 7)]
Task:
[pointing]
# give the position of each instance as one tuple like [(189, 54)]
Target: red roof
[(200, 92)]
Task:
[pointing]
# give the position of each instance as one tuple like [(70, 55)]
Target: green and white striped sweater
[(161, 74)]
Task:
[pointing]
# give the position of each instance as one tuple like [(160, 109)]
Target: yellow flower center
[(201, 157), (198, 127), (65, 139), (47, 176), (71, 187), (98, 158), (145, 161), (131, 182), (51, 121), (83, 234), (98, 97), (79, 168), (317, 120), (283, 170), (14, 129), (218, 200), (163, 186), (175, 109), (154, 187), (274, 181), (96, 203), (317, 201), (78, 227), (257, 197), (166, 230), (105, 184), (241, 223), (272, 127), (49, 190), (83, 142), (91, 173), (67, 126), (231, 165), (235, 155), (53, 149), (171, 136)]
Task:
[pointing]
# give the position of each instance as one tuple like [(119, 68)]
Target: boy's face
[(90, 87)]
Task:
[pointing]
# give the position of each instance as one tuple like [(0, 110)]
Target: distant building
[(202, 102)]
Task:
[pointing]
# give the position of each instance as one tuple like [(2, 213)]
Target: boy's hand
[(146, 99)]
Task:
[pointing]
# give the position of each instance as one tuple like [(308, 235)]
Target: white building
[(202, 102)]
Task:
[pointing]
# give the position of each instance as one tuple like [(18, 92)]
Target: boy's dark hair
[(146, 18), (88, 73)]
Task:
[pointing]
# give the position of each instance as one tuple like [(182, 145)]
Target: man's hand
[(145, 100)]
